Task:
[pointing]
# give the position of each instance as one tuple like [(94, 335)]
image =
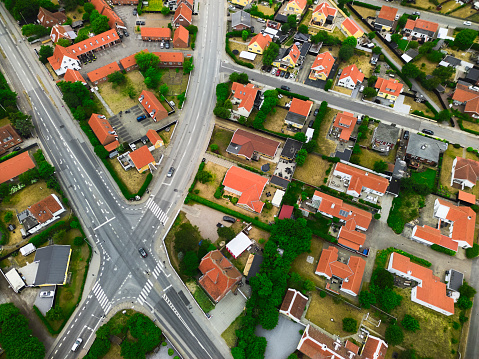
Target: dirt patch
[(313, 171), (365, 12), (266, 9), (175, 80), (417, 106), (166, 135), (275, 121), (132, 179), (157, 20), (362, 61), (116, 97), (327, 147), (464, 12), (307, 18), (343, 90), (27, 196)]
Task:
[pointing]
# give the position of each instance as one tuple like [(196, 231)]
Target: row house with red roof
[(100, 75), (243, 98), (421, 29), (170, 59), (152, 105), (114, 21), (15, 166), (40, 214), (63, 59), (155, 33), (183, 15), (103, 130), (358, 181), (129, 63), (124, 2), (181, 38)]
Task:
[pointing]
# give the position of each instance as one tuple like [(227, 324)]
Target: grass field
[(427, 177), (361, 60), (201, 297), (266, 9), (229, 335), (154, 5), (313, 171), (367, 158), (325, 146), (417, 106), (132, 179), (305, 269), (275, 121)]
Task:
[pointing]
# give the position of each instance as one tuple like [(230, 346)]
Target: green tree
[(244, 35), (5, 189), (435, 56), (464, 303), (444, 115), (165, 10), (377, 50), (44, 53), (372, 81), (8, 216), (79, 241), (410, 70), (94, 15), (270, 53), (371, 35), (382, 278), (444, 72), (262, 285), (164, 89), (64, 42), (394, 335), (145, 60), (350, 41), (465, 38), (285, 28), (369, 92), (292, 21), (226, 232), (187, 238), (55, 313), (189, 264), (380, 166), (303, 29), (188, 65), (346, 52), (22, 123), (410, 323), (308, 285), (241, 78), (86, 16), (387, 299), (366, 299), (466, 290), (222, 112), (88, 7), (408, 354), (350, 325), (204, 176), (292, 235), (300, 136), (100, 24), (117, 78), (214, 147), (301, 157)]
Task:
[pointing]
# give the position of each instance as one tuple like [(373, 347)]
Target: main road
[(116, 229)]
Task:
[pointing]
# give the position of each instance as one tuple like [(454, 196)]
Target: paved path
[(108, 109), (218, 161)]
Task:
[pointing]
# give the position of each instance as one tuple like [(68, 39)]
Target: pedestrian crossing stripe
[(102, 298), (156, 210)]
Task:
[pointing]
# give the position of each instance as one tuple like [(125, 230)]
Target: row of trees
[(27, 10)]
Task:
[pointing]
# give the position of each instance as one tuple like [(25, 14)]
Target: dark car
[(135, 12), (311, 123), (219, 225), (286, 88), (17, 148), (269, 68), (170, 172), (282, 74), (126, 33), (120, 35), (141, 118), (287, 75), (406, 135), (142, 252), (315, 113), (252, 29), (167, 45), (229, 219), (427, 132)]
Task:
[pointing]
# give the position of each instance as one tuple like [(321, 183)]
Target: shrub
[(328, 85), (456, 325), (377, 216), (394, 335), (410, 323), (322, 294), (219, 192), (170, 352), (441, 249), (472, 252), (462, 317), (464, 303), (350, 325), (78, 241)]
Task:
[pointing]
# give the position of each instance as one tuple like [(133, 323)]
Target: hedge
[(42, 237), (229, 211), (472, 252), (10, 155), (124, 190), (459, 121), (369, 6), (229, 52), (44, 321), (441, 249), (382, 255), (431, 107), (292, 94), (259, 14), (145, 184)]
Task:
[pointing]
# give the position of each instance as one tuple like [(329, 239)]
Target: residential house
[(100, 75), (104, 9), (359, 181), (259, 43), (290, 149), (170, 59), (248, 186), (63, 59), (323, 17), (421, 29), (40, 214), (143, 159), (466, 198), (50, 19), (15, 166), (298, 112), (471, 77), (294, 304), (50, 266), (183, 16), (455, 227), (388, 88), (385, 19), (322, 66), (62, 32), (349, 272), (241, 3), (468, 96), (9, 138), (252, 146), (343, 125), (351, 28), (240, 20), (350, 77), (219, 276), (154, 138), (181, 38), (188, 3), (410, 55), (153, 106), (270, 24), (103, 130), (73, 76), (317, 344), (464, 172), (385, 137), (296, 6), (239, 244), (430, 291), (129, 63), (424, 149), (287, 58), (244, 97), (156, 33)]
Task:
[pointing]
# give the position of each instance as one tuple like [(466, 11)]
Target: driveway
[(205, 219), (227, 310), (283, 339), (400, 106)]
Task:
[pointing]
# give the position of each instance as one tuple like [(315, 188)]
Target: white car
[(47, 294), (397, 17), (273, 71), (77, 344), (467, 23)]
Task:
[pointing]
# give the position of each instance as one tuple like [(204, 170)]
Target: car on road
[(229, 219), (77, 344), (170, 172), (142, 252), (141, 118), (427, 132), (286, 88), (315, 113), (17, 148), (406, 135), (416, 13), (47, 294), (219, 225), (467, 23)]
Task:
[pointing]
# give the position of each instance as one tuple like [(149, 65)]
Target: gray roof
[(472, 76), (279, 181), (240, 18), (233, 148), (386, 133), (255, 266), (428, 33), (53, 264), (384, 22), (305, 49), (291, 147), (456, 280), (301, 37), (452, 60), (295, 118), (438, 45), (412, 53), (425, 147)]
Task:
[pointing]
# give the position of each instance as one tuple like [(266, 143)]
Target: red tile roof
[(103, 71), (58, 32), (142, 157), (8, 138), (44, 209), (389, 86), (104, 9), (153, 136), (112, 146), (463, 218), (251, 143), (180, 37), (374, 348), (15, 166), (183, 11), (219, 275), (190, 2), (467, 197), (294, 304), (317, 345), (249, 184), (246, 94), (301, 107), (326, 9), (464, 94), (351, 239), (351, 347), (129, 61), (323, 63), (286, 212), (472, 106), (387, 13), (353, 72), (73, 76), (434, 236), (351, 26), (263, 41), (48, 19), (294, 53), (156, 32), (152, 105), (345, 122), (102, 129), (360, 178), (301, 3), (466, 169), (56, 59), (94, 42), (421, 24), (431, 290), (170, 56)]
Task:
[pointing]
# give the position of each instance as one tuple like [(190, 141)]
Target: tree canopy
[(270, 54), (465, 38), (45, 52), (145, 60)]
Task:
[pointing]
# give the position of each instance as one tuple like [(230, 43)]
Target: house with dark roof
[(152, 105), (298, 112), (350, 77), (181, 38), (322, 66), (410, 55), (219, 276), (183, 15), (450, 61), (50, 19), (40, 214), (464, 172), (385, 137), (104, 132), (253, 265), (15, 166), (8, 138), (385, 19), (100, 75), (247, 186), (421, 29), (454, 280), (290, 149), (252, 146), (343, 126), (472, 76), (52, 264), (294, 304), (240, 20), (424, 149), (349, 272)]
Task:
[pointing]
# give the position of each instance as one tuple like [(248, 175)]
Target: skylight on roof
[(343, 213)]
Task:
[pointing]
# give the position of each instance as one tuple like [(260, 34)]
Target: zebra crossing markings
[(145, 291), (102, 298), (157, 211)]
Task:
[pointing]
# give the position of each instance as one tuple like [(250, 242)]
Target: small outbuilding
[(238, 245)]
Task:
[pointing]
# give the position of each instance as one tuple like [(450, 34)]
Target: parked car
[(427, 132), (167, 45), (467, 23), (126, 33), (396, 18), (135, 12), (17, 148), (315, 113), (219, 225), (47, 294), (406, 135), (141, 118), (361, 89), (142, 252), (170, 172), (364, 252), (286, 88), (311, 123), (229, 219), (286, 76), (416, 13), (282, 74), (268, 69), (11, 227), (77, 344), (278, 72)]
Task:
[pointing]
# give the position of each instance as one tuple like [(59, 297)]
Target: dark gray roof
[(472, 76), (279, 181), (452, 60), (456, 280), (384, 22), (53, 264), (428, 33), (295, 118), (394, 186), (233, 148), (400, 168), (305, 49), (255, 266), (281, 18), (240, 18), (314, 49), (386, 133), (412, 53), (301, 37), (291, 147), (425, 147), (345, 155), (438, 45)]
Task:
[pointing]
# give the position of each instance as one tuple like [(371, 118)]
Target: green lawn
[(222, 138), (203, 300), (402, 44), (427, 177), (319, 224), (229, 335), (154, 5)]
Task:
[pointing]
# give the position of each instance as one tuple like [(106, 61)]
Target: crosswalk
[(145, 291), (102, 298), (157, 211), (157, 271)]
